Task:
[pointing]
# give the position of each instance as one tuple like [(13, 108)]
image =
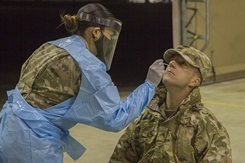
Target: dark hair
[(74, 25)]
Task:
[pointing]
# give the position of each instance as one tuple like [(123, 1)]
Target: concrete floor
[(226, 100)]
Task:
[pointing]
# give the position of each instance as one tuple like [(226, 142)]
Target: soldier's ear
[(195, 81)]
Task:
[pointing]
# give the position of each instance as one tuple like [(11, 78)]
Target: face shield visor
[(106, 45)]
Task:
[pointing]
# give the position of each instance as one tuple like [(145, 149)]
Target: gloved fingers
[(158, 62), (158, 66), (155, 72)]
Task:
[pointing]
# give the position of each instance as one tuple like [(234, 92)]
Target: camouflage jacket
[(191, 134), (49, 76)]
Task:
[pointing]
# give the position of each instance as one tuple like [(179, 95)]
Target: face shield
[(106, 48), (106, 45)]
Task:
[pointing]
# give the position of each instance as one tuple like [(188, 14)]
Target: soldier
[(64, 82), (176, 126)]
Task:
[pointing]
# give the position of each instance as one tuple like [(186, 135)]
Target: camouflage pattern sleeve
[(212, 142), (219, 150), (126, 150), (49, 76)]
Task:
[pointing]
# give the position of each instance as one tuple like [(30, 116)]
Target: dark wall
[(146, 34)]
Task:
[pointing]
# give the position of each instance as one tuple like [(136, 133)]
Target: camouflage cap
[(193, 56)]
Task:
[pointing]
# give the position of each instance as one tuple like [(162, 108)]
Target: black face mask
[(99, 47)]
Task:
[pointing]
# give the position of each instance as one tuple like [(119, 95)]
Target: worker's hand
[(155, 72)]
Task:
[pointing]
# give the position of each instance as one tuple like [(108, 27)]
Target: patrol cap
[(193, 56)]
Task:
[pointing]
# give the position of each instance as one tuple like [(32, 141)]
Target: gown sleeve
[(106, 111)]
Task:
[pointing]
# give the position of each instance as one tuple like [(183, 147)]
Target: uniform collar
[(192, 101)]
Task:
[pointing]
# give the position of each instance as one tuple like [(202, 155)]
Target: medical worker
[(64, 82)]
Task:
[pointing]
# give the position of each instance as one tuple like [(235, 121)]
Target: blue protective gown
[(33, 135)]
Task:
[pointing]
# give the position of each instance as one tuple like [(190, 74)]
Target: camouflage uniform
[(191, 134), (49, 76)]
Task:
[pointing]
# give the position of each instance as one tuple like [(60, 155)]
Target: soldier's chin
[(165, 80)]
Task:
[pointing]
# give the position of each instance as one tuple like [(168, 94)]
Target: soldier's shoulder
[(212, 122)]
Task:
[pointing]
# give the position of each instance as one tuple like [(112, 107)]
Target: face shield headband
[(105, 46), (108, 22)]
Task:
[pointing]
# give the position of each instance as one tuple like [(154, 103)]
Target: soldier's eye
[(184, 64)]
